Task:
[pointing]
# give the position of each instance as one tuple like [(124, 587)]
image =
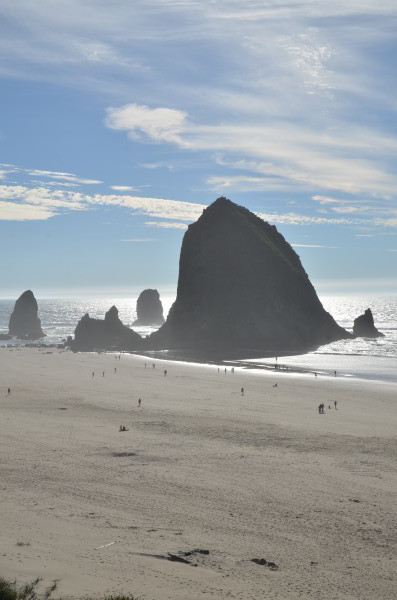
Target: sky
[(122, 119)]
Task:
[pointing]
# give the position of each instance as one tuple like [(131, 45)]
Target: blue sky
[(121, 120)]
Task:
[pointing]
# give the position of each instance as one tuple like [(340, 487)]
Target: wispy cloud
[(121, 188), (63, 176), (311, 246), (165, 225), (139, 240)]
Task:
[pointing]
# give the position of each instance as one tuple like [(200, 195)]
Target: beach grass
[(10, 590)]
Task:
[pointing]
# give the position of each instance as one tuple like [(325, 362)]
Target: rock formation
[(241, 288), (149, 309), (364, 326), (108, 334), (24, 322)]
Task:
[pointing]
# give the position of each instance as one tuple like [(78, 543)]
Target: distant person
[(315, 374), (165, 372), (242, 391), (329, 407), (145, 365), (139, 402), (225, 371), (115, 369), (103, 373), (9, 391), (123, 428), (154, 366), (320, 409), (93, 373), (335, 403), (335, 373), (232, 369)]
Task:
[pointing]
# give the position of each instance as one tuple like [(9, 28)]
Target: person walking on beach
[(9, 391), (139, 402), (115, 369), (165, 372), (93, 373), (320, 409), (242, 391), (103, 373), (335, 403)]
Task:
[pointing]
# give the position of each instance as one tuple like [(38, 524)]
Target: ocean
[(362, 358)]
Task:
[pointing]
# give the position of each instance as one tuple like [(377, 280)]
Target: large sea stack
[(24, 322), (149, 309), (242, 288), (104, 334), (364, 326)]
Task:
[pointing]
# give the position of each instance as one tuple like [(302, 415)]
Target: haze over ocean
[(361, 357)]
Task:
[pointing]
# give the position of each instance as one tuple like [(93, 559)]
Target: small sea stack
[(104, 334), (24, 322), (242, 288), (364, 326), (149, 309)]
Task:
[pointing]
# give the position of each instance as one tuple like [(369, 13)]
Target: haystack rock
[(149, 309), (364, 326), (24, 322), (242, 288), (108, 334)]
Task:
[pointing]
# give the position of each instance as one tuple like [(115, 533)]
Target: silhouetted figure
[(9, 391), (139, 402), (320, 409), (335, 403), (103, 373), (232, 369), (275, 385), (315, 374), (335, 373), (165, 372), (242, 391), (154, 366), (115, 370), (145, 365), (225, 371), (123, 428), (329, 406)]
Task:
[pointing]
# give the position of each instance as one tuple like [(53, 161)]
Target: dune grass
[(9, 590)]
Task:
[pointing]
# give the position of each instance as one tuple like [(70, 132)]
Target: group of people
[(322, 406)]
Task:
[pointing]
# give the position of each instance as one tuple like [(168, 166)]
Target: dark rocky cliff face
[(108, 334), (24, 322), (242, 287), (149, 308), (364, 326)]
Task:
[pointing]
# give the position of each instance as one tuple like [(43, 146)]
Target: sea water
[(368, 358)]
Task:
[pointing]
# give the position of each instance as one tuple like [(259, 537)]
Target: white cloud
[(63, 176), (121, 188), (160, 124), (166, 225), (295, 219), (11, 211)]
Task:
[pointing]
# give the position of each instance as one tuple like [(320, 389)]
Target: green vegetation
[(9, 590)]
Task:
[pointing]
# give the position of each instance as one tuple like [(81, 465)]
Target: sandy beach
[(201, 467)]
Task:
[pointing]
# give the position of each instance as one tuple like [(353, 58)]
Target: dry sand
[(201, 467)]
